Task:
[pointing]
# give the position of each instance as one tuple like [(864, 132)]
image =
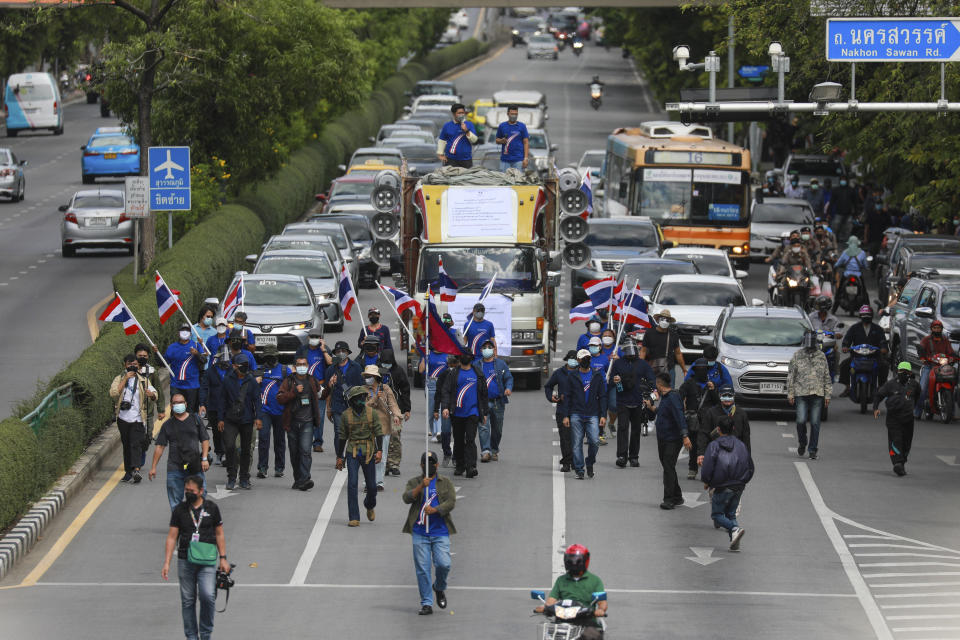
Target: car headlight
[(733, 362), (515, 32), (322, 297), (303, 325)]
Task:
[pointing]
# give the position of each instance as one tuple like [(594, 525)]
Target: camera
[(224, 581), (125, 405)]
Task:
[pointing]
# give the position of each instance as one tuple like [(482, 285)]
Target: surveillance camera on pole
[(824, 93)]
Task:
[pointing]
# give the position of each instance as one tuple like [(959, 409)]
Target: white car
[(592, 161), (711, 262), (433, 102), (460, 18), (696, 301), (771, 218)]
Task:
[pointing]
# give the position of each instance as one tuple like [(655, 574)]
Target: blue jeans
[(354, 464), (724, 507), (431, 392), (426, 548), (580, 425), (299, 438), (196, 580), (271, 423), (175, 479), (382, 465), (505, 164), (924, 391), (808, 408), (492, 430), (318, 429)]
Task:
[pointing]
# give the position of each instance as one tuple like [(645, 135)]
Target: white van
[(32, 101)]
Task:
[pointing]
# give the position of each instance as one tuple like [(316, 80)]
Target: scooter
[(596, 93), (941, 393), (577, 47), (852, 294), (794, 287), (864, 367), (567, 618)]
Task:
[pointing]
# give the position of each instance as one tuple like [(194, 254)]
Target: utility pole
[(731, 54)]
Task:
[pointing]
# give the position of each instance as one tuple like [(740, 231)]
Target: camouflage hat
[(356, 391)]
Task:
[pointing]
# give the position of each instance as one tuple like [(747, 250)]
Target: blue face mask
[(572, 363), (710, 363), (594, 350)]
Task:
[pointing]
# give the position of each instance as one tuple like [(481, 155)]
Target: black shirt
[(858, 335), (658, 347), (186, 518), (877, 223), (173, 430)]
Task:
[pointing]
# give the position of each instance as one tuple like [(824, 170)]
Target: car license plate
[(771, 387), (98, 222), (110, 156), (266, 340), (851, 290)]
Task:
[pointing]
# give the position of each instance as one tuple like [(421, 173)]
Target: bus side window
[(615, 165)]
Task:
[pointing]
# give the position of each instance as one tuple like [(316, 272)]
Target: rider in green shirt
[(580, 585)]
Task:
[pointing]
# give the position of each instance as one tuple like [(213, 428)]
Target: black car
[(612, 242), (893, 266)]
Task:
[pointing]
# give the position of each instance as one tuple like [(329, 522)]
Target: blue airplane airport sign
[(169, 178), (893, 39)]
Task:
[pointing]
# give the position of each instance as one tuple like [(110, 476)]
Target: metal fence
[(59, 398)]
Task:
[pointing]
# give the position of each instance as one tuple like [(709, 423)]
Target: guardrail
[(59, 398)]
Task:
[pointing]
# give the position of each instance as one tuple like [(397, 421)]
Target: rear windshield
[(647, 274), (708, 264), (377, 158), (627, 235), (351, 189), (542, 38), (592, 159), (358, 230), (699, 294), (110, 141), (98, 201), (338, 239), (782, 213), (815, 167), (32, 92), (309, 267)]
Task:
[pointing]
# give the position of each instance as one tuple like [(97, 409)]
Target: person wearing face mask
[(632, 380), (237, 345), (446, 427), (131, 392), (700, 393), (852, 262), (431, 367), (672, 435), (210, 393), (239, 406), (300, 396), (843, 202), (930, 349), (809, 388), (380, 398), (809, 242), (583, 404), (499, 387), (369, 351), (318, 359), (599, 362), (448, 323), (479, 330), (793, 190), (156, 407), (553, 390), (796, 255), (204, 328), (901, 395), (876, 223), (594, 328), (712, 417), (219, 338), (457, 137), (395, 377), (727, 468), (813, 195), (186, 437), (341, 375), (661, 347), (464, 401), (382, 331), (361, 441), (514, 141), (186, 359), (864, 332), (609, 352), (825, 237), (271, 376), (240, 324)]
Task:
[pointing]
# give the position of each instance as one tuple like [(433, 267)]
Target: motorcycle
[(941, 391), (864, 367), (567, 618), (794, 287), (577, 47), (852, 294), (596, 92)]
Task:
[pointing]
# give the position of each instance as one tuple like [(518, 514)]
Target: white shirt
[(131, 393)]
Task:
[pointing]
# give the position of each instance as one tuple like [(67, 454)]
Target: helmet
[(805, 228), (936, 323), (356, 391), (809, 339), (822, 303), (576, 559), (371, 341), (629, 348), (794, 239), (904, 366), (865, 311)]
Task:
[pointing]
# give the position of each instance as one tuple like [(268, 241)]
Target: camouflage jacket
[(808, 375)]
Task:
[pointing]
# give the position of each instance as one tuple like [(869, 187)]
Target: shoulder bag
[(204, 554)]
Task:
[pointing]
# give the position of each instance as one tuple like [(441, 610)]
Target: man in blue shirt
[(479, 330), (583, 403), (455, 146), (186, 359), (271, 411), (217, 340), (375, 328), (514, 141), (239, 322), (499, 387), (431, 367), (464, 401), (553, 389), (342, 375), (671, 436), (318, 359), (594, 328)]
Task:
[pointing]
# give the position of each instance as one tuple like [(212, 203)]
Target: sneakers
[(735, 536), (602, 440), (126, 477), (899, 470), (621, 462), (458, 471), (353, 523), (435, 438), (801, 450), (318, 449), (371, 515), (579, 475), (472, 472), (261, 473), (692, 474), (667, 506), (565, 468), (634, 463), (245, 484), (231, 485), (379, 487), (447, 460), (813, 455), (485, 457), (589, 470), (137, 477), (495, 457), (392, 472), (278, 474), (306, 486)]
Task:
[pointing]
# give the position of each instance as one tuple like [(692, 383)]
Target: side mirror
[(24, 163), (595, 173), (538, 595), (321, 197), (63, 207), (553, 278), (599, 596), (83, 147), (756, 302), (212, 301), (554, 147), (740, 274), (342, 168), (372, 140), (252, 258), (924, 312)]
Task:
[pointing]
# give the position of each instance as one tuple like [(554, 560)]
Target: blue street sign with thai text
[(752, 71), (169, 178), (893, 39)]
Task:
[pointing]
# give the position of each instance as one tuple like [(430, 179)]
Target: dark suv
[(932, 295), (893, 266)]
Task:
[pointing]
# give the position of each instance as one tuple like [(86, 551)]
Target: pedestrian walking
[(375, 328), (430, 367), (196, 532), (218, 339), (554, 389), (464, 401), (431, 498), (186, 437), (342, 375), (156, 406), (237, 345), (672, 435), (239, 404), (380, 398), (361, 441), (301, 395), (900, 395), (727, 468), (499, 388), (457, 137), (186, 359), (318, 360), (446, 427), (204, 328), (594, 328), (633, 380), (514, 141), (272, 376), (131, 392), (583, 403), (396, 378), (809, 388), (661, 347), (209, 396), (240, 324), (711, 418), (370, 348)]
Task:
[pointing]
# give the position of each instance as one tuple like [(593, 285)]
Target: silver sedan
[(12, 182), (95, 219)]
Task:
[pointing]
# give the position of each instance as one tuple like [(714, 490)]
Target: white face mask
[(370, 381), (478, 315), (664, 324), (302, 370), (179, 408), (314, 342), (594, 327), (221, 329), (487, 353), (184, 335), (795, 249), (607, 341), (594, 349)]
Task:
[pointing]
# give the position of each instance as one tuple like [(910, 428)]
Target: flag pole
[(193, 329), (470, 321), (622, 324), (354, 289), (243, 297), (426, 393), (145, 334), (396, 313)]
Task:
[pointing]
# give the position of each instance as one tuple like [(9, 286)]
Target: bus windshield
[(676, 196), (473, 267)]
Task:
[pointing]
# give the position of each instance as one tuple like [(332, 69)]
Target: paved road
[(836, 548), (43, 297)]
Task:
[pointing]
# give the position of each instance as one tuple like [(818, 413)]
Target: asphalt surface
[(835, 548), (44, 298)]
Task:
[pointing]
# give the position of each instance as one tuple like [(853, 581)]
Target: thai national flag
[(633, 309), (167, 300), (401, 300), (117, 311), (487, 289), (600, 292), (583, 311), (233, 300), (348, 297), (445, 284), (441, 338), (587, 187)]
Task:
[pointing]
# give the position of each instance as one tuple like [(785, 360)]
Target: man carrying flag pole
[(118, 311), (168, 301)]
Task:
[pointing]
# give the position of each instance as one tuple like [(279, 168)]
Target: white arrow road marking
[(691, 500), (221, 493), (949, 460), (702, 556), (787, 435)]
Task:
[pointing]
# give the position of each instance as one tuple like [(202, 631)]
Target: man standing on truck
[(455, 146), (514, 141)]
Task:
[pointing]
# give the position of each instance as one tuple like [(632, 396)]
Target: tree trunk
[(148, 237)]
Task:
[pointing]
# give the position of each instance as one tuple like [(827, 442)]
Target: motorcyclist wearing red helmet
[(864, 332), (930, 347), (580, 585)]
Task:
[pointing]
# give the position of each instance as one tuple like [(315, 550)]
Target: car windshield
[(647, 274), (708, 264), (622, 235), (275, 293), (950, 304), (541, 38), (699, 294), (308, 267), (419, 153), (592, 159), (434, 90), (482, 110), (338, 239), (782, 214), (538, 140), (374, 158), (815, 167), (529, 24), (473, 267), (358, 230), (98, 201), (765, 332), (110, 141), (933, 261), (351, 189), (31, 92)]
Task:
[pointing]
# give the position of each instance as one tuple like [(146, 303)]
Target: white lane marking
[(909, 564), (787, 435), (826, 516), (915, 629), (3, 284), (919, 574), (918, 606), (14, 277), (902, 555), (936, 594), (32, 266), (904, 585), (792, 449), (319, 527), (781, 424), (691, 500), (949, 460), (559, 520)]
